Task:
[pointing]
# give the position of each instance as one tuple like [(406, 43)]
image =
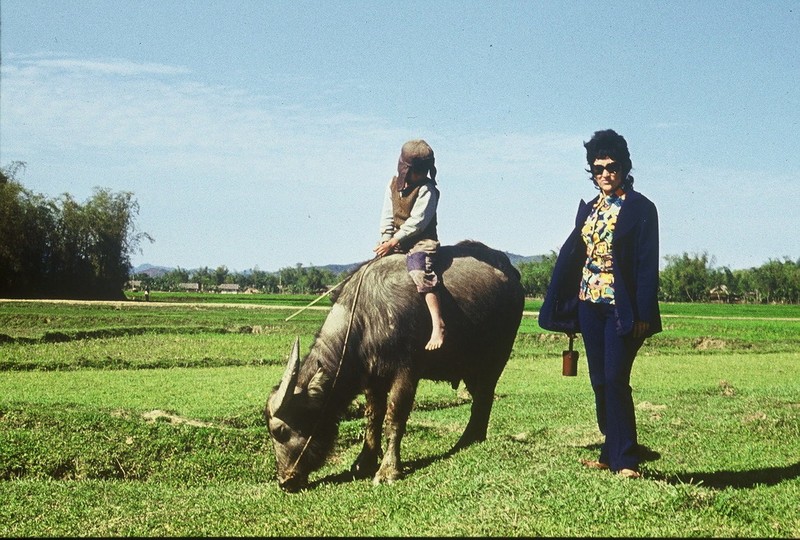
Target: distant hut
[(719, 294), (134, 285), (189, 287), (228, 288)]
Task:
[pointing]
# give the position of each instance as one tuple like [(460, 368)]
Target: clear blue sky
[(262, 133)]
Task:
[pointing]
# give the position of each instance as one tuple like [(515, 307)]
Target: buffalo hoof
[(386, 476), (363, 468), (467, 439)]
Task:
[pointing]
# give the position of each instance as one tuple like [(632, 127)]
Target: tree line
[(685, 278), (692, 278), (290, 280), (60, 248)]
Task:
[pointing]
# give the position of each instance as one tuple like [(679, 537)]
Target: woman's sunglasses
[(612, 168)]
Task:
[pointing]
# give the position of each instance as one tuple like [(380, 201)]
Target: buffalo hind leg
[(401, 399), (482, 401), (366, 464)]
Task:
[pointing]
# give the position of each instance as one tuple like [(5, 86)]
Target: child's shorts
[(419, 262)]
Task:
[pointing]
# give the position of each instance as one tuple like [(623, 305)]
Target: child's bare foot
[(437, 339)]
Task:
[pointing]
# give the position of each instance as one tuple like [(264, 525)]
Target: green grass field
[(144, 419)]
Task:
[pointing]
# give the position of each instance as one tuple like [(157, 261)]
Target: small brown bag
[(569, 360)]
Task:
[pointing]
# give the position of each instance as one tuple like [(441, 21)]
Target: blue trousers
[(610, 359)]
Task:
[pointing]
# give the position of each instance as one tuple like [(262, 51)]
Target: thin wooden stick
[(320, 297)]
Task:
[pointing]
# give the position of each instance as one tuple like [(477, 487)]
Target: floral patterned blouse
[(597, 283)]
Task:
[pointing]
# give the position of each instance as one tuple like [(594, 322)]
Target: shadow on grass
[(645, 453), (409, 467), (768, 476)]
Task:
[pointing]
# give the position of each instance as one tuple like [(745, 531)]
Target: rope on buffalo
[(339, 367)]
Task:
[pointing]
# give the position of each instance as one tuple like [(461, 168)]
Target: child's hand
[(385, 248)]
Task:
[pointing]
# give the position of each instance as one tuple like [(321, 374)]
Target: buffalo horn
[(288, 381)]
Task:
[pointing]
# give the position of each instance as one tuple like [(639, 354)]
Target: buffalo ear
[(316, 388), (285, 390)]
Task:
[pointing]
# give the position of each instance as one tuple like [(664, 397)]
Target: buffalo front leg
[(401, 399), (366, 464)]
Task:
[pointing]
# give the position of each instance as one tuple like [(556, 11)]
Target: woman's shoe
[(629, 473), (591, 464)]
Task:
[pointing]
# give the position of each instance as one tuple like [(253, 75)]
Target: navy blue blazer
[(635, 252)]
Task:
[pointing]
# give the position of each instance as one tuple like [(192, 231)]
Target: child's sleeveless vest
[(402, 203)]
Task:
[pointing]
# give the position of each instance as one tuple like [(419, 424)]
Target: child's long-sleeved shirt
[(423, 211)]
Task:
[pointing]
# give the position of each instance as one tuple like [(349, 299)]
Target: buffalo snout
[(293, 484)]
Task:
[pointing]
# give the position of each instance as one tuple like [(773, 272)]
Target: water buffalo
[(373, 341)]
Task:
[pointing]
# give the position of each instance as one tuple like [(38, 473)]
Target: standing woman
[(605, 286)]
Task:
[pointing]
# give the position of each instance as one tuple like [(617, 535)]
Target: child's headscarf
[(418, 155)]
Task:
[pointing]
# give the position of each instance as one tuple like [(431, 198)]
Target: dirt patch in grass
[(706, 343), (158, 415)]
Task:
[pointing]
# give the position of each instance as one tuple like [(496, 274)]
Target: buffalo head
[(302, 435)]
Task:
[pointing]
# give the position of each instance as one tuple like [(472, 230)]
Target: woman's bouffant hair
[(611, 145)]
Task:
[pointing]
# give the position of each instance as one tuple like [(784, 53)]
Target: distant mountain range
[(157, 271), (151, 270)]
